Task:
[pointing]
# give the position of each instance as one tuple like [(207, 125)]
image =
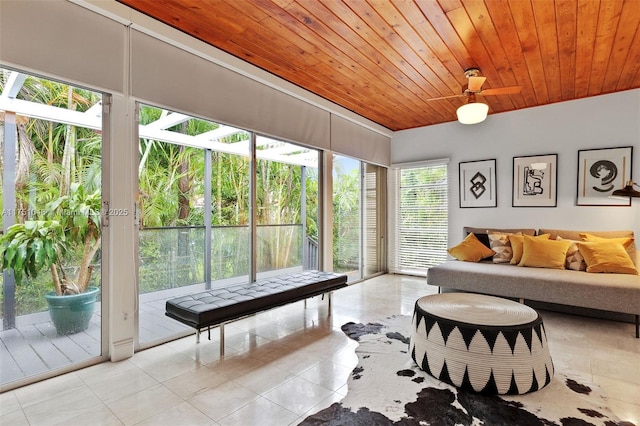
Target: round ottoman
[(481, 343)]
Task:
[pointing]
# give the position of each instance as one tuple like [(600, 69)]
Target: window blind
[(419, 206)]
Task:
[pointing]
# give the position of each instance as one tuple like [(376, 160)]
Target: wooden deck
[(34, 347)]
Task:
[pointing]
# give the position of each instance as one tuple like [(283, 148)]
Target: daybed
[(615, 292)]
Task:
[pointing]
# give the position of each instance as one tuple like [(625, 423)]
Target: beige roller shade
[(353, 140), (168, 76), (65, 40)]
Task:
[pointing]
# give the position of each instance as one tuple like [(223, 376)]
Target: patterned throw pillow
[(500, 244), (575, 259)]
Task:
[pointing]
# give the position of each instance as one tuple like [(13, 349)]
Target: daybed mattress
[(610, 292)]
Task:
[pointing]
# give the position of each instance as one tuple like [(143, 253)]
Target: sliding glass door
[(196, 229), (358, 218), (374, 219), (51, 137), (287, 206), (194, 203)]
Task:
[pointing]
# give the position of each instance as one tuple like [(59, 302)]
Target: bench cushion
[(219, 305)]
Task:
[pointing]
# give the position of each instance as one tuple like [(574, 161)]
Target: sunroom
[(216, 205)]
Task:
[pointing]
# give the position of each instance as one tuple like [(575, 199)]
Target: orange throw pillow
[(607, 256), (625, 241), (544, 253), (470, 250), (517, 244)]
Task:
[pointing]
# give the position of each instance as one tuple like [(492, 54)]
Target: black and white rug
[(388, 388)]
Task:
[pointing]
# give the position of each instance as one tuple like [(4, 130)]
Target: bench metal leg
[(197, 335), (305, 303), (222, 340), (637, 326), (329, 303)]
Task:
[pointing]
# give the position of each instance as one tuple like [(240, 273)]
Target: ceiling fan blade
[(446, 97), (475, 83), (511, 90)]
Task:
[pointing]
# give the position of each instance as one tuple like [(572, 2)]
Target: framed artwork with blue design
[(535, 179), (478, 183), (602, 171)]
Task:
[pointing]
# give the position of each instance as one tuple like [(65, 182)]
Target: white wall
[(563, 128)]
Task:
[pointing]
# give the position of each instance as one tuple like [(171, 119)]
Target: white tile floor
[(286, 363)]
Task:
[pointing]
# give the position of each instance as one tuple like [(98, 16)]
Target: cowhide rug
[(388, 388)]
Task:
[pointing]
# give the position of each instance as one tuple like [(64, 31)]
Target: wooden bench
[(222, 305)]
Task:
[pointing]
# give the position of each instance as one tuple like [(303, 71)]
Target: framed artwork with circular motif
[(602, 171)]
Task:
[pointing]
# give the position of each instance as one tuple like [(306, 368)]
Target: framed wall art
[(602, 171), (535, 179), (478, 183)]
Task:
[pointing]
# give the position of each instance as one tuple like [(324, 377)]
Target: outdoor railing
[(173, 257)]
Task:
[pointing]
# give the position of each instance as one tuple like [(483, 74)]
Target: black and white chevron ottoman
[(481, 343)]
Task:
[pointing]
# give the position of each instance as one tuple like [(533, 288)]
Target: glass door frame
[(105, 161)]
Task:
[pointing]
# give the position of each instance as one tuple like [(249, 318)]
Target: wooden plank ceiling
[(383, 59)]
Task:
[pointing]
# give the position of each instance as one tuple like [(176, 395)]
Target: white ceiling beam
[(236, 148), (187, 140), (13, 85), (263, 140), (218, 133), (95, 110), (286, 149), (287, 159), (51, 113), (169, 120), (242, 146)]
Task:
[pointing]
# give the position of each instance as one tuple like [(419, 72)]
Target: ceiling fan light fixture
[(472, 113)]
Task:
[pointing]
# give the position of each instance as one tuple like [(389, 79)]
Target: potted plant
[(70, 224)]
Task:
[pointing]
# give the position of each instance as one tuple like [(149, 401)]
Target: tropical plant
[(70, 222)]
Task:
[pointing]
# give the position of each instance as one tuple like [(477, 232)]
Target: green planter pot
[(71, 314)]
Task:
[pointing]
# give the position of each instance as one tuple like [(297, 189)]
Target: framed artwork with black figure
[(535, 179), (602, 171), (478, 183)]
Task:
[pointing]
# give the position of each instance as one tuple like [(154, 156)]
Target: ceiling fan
[(474, 87), (474, 112)]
